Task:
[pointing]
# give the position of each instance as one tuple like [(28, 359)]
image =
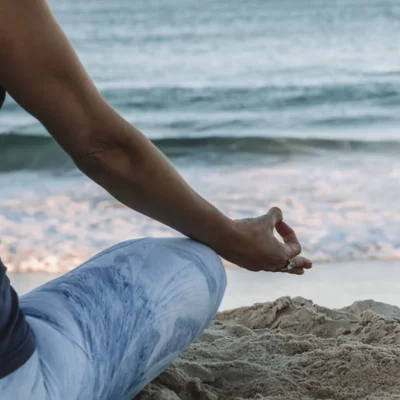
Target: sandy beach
[(266, 345), (293, 104), (290, 349)]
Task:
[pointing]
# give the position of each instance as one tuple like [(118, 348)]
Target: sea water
[(290, 103)]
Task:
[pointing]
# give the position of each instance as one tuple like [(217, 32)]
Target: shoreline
[(333, 285)]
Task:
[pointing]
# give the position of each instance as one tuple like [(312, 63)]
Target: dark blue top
[(2, 96), (17, 342)]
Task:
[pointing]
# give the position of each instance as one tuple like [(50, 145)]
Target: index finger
[(292, 244)]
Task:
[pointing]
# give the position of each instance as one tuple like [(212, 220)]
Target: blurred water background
[(292, 103)]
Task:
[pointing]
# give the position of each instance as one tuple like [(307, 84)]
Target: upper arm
[(40, 70)]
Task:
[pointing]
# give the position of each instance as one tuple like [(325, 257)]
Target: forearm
[(136, 173)]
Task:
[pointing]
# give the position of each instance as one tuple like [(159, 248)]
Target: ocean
[(290, 103)]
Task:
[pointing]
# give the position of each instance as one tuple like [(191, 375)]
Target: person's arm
[(41, 71)]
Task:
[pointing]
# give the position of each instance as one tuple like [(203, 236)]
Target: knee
[(209, 265), (192, 270)]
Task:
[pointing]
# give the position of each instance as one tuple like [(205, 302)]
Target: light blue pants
[(109, 327)]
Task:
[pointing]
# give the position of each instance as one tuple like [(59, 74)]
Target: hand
[(256, 248)]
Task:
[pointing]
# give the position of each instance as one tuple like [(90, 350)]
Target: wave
[(222, 110), (254, 98), (34, 152)]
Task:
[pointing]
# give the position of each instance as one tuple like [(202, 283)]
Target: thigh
[(25, 383), (58, 367), (129, 312)]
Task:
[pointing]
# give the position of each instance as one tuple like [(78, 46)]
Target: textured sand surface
[(290, 349)]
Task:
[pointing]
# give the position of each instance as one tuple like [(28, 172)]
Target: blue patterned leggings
[(109, 327)]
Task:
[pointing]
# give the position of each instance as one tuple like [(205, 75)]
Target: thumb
[(275, 216)]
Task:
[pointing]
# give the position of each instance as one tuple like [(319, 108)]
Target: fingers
[(307, 264), (286, 232), (275, 214), (291, 247), (294, 271), (299, 264), (292, 244)]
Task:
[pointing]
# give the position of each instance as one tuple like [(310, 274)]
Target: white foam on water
[(343, 207)]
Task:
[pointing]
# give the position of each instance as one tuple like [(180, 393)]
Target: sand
[(290, 349)]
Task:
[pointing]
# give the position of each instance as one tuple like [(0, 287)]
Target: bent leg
[(25, 383), (127, 314)]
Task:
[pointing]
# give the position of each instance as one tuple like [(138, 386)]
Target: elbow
[(97, 151), (106, 159), (96, 160), (111, 150), (99, 136)]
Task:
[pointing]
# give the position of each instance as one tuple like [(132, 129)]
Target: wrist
[(225, 238)]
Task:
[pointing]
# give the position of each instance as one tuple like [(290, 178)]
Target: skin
[(41, 71)]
